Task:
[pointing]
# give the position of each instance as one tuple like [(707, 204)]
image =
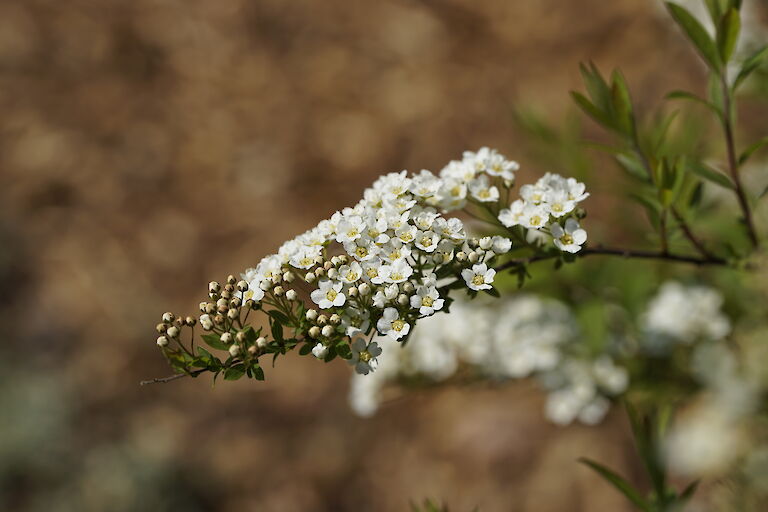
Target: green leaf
[(697, 35), (258, 372), (279, 316), (633, 166), (493, 292), (234, 373), (685, 95), (250, 334), (696, 195), (596, 86), (306, 349), (277, 330), (715, 9), (689, 491), (751, 149), (704, 171), (214, 341), (728, 34), (622, 104), (750, 64), (592, 111), (619, 483)]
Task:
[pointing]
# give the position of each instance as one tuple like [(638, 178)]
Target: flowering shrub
[(388, 285)]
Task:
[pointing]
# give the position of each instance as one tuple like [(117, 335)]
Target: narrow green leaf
[(619, 483), (633, 166), (704, 171), (715, 9), (697, 35), (596, 86), (751, 149), (728, 34), (684, 95), (258, 372), (592, 111), (622, 104), (750, 64), (689, 491), (696, 195)]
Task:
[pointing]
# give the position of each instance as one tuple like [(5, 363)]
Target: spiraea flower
[(372, 269), (569, 238)]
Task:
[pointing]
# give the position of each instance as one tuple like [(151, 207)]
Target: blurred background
[(147, 147)]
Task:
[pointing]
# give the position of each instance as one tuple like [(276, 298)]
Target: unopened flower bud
[(314, 332), (327, 265), (311, 315), (232, 314), (173, 331), (473, 243), (226, 295), (322, 320), (231, 279), (265, 285), (234, 350), (486, 243), (168, 317), (203, 305), (190, 321), (253, 350), (319, 271), (261, 342), (242, 286), (580, 213), (343, 259), (218, 319), (222, 302), (461, 256), (310, 277), (353, 291), (162, 341), (235, 302), (278, 291), (289, 276), (250, 303), (214, 287), (335, 261), (402, 299), (291, 295), (364, 289), (327, 331), (408, 287), (335, 319), (240, 337), (226, 338), (161, 328), (229, 288), (210, 307), (333, 273), (473, 257), (223, 309), (438, 258)]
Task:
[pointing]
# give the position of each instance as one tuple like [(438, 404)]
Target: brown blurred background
[(149, 146)]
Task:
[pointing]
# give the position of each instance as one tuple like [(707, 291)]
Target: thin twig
[(733, 164), (163, 380)]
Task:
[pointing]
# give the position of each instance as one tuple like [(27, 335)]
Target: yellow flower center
[(398, 325), (361, 252), (397, 276), (371, 272), (485, 193), (426, 241), (331, 295), (478, 279), (427, 301), (352, 276), (566, 239), (456, 191), (557, 207), (306, 262), (365, 356), (535, 220)]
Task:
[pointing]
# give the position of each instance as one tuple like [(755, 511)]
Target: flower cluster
[(684, 314), (549, 206), (376, 268), (532, 338)]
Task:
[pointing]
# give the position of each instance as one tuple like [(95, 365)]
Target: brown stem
[(690, 236), (162, 380), (733, 164)]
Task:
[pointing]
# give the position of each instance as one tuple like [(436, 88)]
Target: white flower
[(558, 203), (395, 250), (406, 234), (362, 249), (569, 239), (479, 277), (350, 273), (511, 216), (427, 300), (425, 184), (364, 356), (483, 191), (534, 216), (397, 272), (350, 229), (355, 321), (390, 324), (320, 351), (328, 294), (497, 165), (427, 240), (381, 298)]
